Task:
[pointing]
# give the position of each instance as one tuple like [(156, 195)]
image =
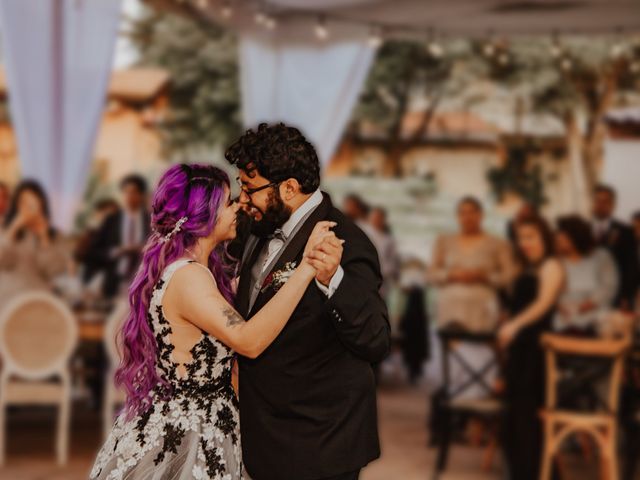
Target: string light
[(435, 49), (503, 58), (566, 64), (260, 17), (556, 49), (375, 37), (634, 67), (322, 33), (203, 4), (270, 22), (226, 11), (617, 50)]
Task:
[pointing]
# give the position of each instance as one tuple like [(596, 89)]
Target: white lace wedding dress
[(191, 431)]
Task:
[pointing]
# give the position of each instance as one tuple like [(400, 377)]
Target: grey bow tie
[(279, 234)]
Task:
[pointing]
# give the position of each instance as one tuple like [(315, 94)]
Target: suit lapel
[(295, 247)]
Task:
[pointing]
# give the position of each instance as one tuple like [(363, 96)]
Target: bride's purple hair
[(196, 192)]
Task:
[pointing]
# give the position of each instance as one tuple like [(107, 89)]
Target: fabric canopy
[(58, 56), (459, 17), (313, 87)]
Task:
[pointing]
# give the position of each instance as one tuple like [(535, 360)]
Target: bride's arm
[(199, 301)]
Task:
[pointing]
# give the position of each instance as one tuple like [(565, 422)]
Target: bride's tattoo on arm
[(233, 317)]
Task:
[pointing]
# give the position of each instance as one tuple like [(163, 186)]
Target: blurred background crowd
[(494, 172)]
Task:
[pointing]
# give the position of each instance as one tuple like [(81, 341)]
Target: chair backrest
[(38, 334), (112, 328), (613, 350), (476, 374)]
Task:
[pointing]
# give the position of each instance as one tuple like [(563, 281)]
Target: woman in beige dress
[(469, 268), (32, 252)]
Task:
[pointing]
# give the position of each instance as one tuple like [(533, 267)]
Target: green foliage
[(201, 58), (562, 76), (518, 176), (403, 72)]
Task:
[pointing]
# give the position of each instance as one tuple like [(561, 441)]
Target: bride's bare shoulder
[(193, 279)]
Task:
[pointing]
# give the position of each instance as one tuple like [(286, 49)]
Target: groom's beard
[(274, 217)]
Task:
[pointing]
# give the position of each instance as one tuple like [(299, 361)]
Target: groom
[(308, 403)]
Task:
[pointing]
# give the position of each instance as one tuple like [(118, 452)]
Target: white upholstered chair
[(38, 335)]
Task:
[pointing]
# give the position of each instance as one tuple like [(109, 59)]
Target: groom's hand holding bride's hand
[(324, 251)]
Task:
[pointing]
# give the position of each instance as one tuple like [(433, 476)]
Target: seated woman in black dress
[(535, 293)]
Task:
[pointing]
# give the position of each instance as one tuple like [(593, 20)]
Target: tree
[(406, 74), (204, 97), (577, 81)]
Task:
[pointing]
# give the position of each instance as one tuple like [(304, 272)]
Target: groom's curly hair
[(277, 152)]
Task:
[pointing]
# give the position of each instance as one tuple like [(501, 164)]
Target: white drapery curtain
[(310, 86), (58, 56)]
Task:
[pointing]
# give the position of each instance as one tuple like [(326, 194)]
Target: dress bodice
[(211, 360)]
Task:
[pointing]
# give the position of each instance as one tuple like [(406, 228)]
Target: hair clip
[(176, 229)]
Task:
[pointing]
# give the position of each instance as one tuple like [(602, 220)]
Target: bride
[(180, 419)]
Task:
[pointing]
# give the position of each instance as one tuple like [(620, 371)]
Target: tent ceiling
[(455, 17)]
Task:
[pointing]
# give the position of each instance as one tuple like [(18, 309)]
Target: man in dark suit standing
[(619, 240), (117, 245), (308, 403)]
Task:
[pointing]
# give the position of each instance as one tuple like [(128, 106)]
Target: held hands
[(324, 252), (467, 276)]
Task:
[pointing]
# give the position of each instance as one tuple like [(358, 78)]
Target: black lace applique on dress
[(193, 417)]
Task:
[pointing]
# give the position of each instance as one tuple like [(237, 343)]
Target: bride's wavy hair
[(185, 207)]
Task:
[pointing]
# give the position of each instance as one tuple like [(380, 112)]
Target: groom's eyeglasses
[(251, 191)]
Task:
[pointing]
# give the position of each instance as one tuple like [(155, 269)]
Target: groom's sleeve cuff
[(333, 284)]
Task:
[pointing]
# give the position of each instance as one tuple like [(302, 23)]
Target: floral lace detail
[(191, 429)]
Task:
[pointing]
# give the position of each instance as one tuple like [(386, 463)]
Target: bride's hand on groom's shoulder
[(325, 252)]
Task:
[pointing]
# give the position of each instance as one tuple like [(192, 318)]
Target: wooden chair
[(38, 335), (600, 425), (486, 407), (113, 396)]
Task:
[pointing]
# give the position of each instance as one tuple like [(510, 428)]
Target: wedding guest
[(468, 269), (414, 334), (526, 210), (5, 195), (32, 252), (102, 210), (535, 292), (619, 240), (118, 243), (379, 232), (591, 278), (355, 208)]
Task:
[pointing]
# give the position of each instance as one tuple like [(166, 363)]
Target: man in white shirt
[(117, 246), (308, 409)]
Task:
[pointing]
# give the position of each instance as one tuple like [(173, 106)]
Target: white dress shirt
[(275, 244)]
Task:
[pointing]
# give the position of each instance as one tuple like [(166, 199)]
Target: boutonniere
[(278, 278)]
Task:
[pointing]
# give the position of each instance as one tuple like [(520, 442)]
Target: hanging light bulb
[(260, 17), (617, 50), (375, 37), (203, 4), (226, 11), (322, 33), (435, 49), (270, 22), (566, 64), (503, 58), (489, 49)]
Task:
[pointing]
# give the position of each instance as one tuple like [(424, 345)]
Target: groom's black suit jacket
[(308, 403)]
